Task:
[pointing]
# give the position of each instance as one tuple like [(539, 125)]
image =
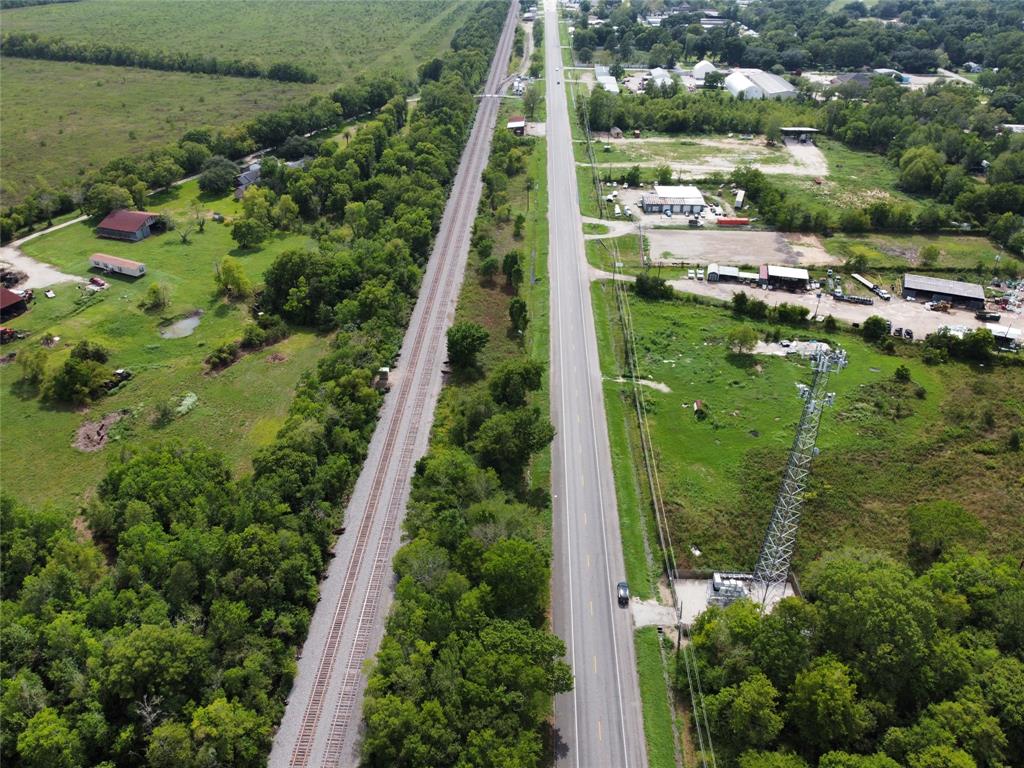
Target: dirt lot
[(724, 155), (707, 246)]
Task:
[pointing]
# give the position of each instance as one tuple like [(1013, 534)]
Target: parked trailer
[(876, 289), (732, 221)]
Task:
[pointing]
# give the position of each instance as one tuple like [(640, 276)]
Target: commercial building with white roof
[(684, 199), (758, 84)]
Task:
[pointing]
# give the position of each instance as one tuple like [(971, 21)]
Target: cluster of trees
[(29, 45), (79, 380), (875, 667), (909, 35), (167, 638), (673, 110), (364, 95)]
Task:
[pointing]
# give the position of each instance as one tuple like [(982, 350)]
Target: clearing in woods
[(238, 410)]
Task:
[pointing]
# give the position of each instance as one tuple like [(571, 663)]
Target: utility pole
[(772, 569)]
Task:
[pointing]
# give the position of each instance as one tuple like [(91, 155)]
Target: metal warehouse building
[(925, 288), (677, 199), (790, 278)]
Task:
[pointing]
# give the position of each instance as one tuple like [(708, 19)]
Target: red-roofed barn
[(11, 304), (127, 225)]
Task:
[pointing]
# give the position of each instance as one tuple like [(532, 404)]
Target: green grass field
[(336, 40), (239, 409), (683, 149), (882, 448), (854, 179), (957, 253), (654, 693), (63, 119)]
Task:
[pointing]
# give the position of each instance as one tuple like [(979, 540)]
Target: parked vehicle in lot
[(622, 593), (988, 317), (897, 331), (700, 274), (668, 214), (908, 334), (691, 274)]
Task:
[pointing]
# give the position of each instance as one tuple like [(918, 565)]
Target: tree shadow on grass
[(742, 360), (24, 391)]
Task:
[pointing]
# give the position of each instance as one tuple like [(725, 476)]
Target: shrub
[(253, 337), (650, 286), (874, 328), (223, 356)]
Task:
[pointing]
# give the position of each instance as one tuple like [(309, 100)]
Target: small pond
[(179, 329)]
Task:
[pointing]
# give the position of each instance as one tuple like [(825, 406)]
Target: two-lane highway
[(599, 723)]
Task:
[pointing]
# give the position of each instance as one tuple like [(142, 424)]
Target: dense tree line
[(909, 35), (4, 4), (166, 635), (876, 666), (29, 45)]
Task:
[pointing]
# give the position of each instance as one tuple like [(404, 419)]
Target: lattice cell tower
[(772, 567)]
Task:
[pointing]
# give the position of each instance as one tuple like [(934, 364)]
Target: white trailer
[(117, 265)]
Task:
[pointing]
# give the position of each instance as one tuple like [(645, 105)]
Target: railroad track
[(347, 646)]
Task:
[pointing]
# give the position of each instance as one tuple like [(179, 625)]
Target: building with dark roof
[(127, 225), (956, 292), (11, 304)]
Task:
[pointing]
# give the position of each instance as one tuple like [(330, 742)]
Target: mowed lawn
[(337, 40), (883, 448), (64, 119), (239, 409)]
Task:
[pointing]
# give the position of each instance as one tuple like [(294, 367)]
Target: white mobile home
[(115, 265)]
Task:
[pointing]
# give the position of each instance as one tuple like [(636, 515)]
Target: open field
[(62, 119), (854, 179), (690, 155), (238, 410), (957, 253), (884, 448), (336, 40)]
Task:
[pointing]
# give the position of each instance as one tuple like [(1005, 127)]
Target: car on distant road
[(622, 593)]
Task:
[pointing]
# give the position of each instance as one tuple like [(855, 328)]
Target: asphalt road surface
[(599, 722), (322, 720)]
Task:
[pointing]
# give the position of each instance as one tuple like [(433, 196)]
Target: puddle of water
[(182, 328)]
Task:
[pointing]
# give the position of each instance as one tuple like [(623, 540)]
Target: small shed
[(11, 304), (117, 265), (801, 133), (127, 225), (517, 124)]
